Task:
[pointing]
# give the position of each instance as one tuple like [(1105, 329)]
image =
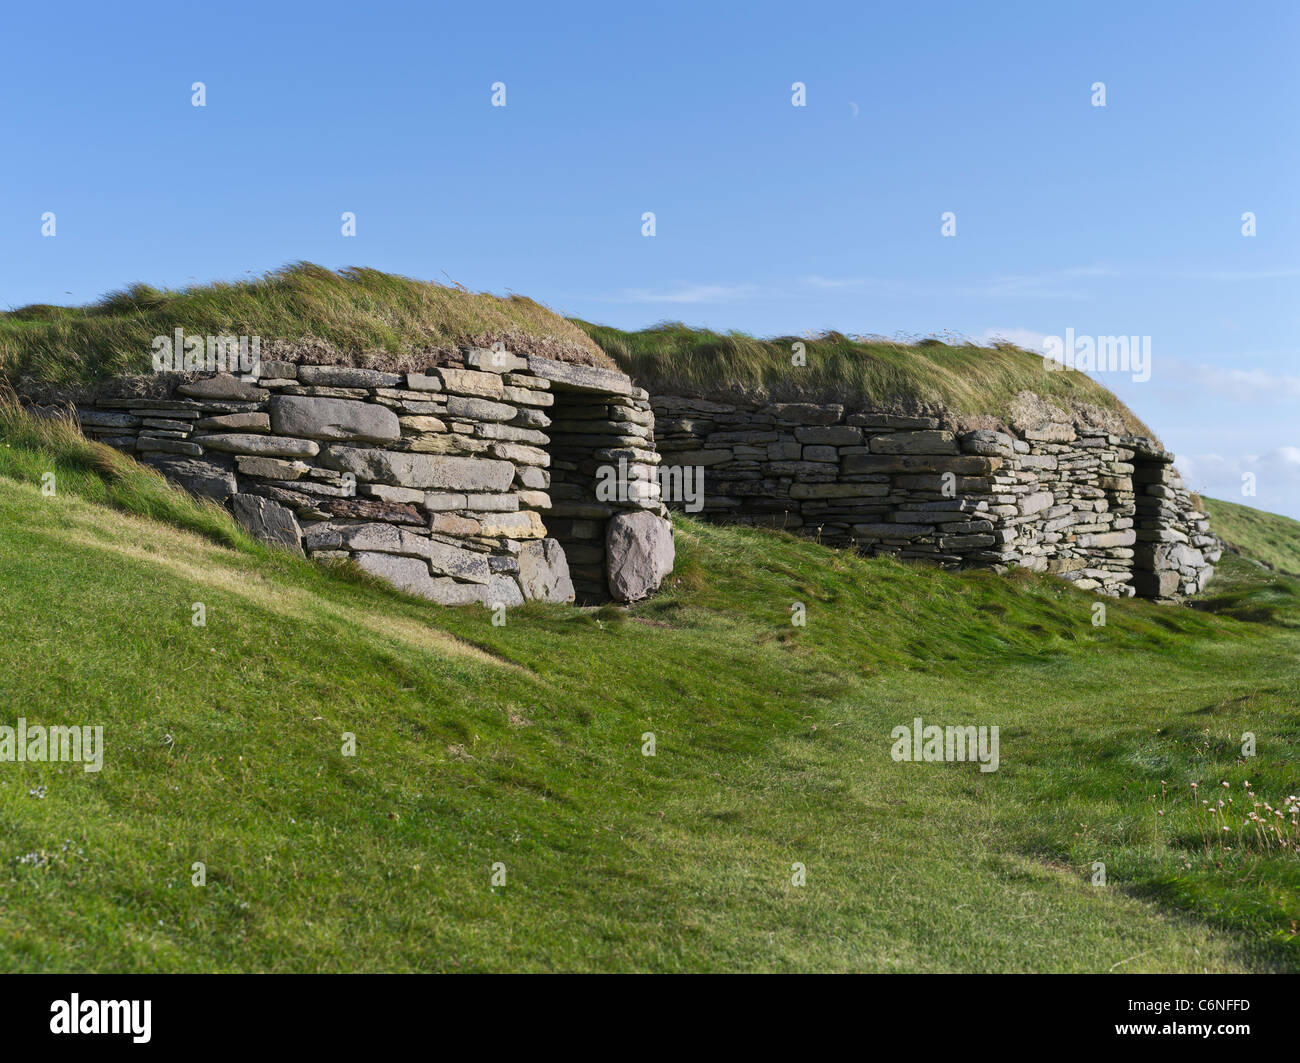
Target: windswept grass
[(365, 317), (51, 452), (355, 316), (965, 379)]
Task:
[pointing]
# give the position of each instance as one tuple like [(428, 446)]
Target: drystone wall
[(1105, 511), (495, 479), (471, 482)]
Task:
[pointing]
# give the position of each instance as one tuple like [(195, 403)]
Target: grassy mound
[(975, 382), (522, 745), (1265, 537), (355, 316), (365, 317)]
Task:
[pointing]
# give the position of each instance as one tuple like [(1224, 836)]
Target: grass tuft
[(354, 316), (928, 376)]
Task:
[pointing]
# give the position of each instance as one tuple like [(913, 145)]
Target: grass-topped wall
[(926, 377), (358, 317), (363, 317)]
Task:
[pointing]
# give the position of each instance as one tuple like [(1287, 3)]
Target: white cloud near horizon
[(1248, 385), (687, 293), (1057, 283), (1276, 478)]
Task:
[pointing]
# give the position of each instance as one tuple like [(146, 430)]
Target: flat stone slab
[(267, 520), (958, 464), (199, 477), (223, 386), (581, 377), (411, 574), (343, 376), (106, 419), (236, 422), (440, 472), (265, 446), (921, 442), (317, 418)]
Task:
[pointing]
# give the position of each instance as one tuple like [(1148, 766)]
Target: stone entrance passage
[(605, 511), (1171, 536)]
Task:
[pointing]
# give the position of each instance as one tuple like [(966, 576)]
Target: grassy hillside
[(523, 745), (1266, 537), (359, 316), (365, 317), (963, 378)]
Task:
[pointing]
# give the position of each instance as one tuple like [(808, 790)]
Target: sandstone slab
[(267, 520), (439, 472), (267, 446), (313, 418), (544, 572)]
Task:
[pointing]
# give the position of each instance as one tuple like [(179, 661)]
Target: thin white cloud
[(1273, 478), (1248, 385), (1238, 274), (690, 293), (860, 284)]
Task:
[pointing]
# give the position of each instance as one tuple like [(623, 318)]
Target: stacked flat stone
[(482, 479), (1103, 511), (437, 482), (592, 436), (1175, 549)]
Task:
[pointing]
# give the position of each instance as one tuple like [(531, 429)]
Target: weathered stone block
[(502, 592), (267, 446), (471, 382), (474, 409), (523, 524), (829, 435), (1036, 502), (639, 554), (312, 418), (236, 422), (988, 443), (960, 465), (920, 442), (440, 472), (544, 572), (222, 386), (270, 468), (343, 376), (204, 478), (267, 520)]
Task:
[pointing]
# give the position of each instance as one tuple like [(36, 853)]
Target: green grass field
[(522, 745)]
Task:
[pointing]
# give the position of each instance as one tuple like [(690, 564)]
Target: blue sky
[(770, 218)]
